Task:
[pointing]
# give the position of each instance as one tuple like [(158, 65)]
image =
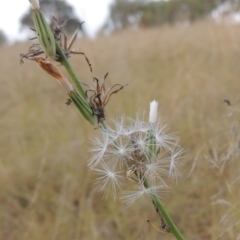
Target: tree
[(61, 10), (146, 13), (3, 38), (123, 13)]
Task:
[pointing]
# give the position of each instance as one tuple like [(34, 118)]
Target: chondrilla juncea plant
[(134, 152)]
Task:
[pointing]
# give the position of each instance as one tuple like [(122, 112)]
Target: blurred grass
[(46, 188)]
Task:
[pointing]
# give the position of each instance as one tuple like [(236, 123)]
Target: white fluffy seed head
[(138, 147), (142, 193), (153, 111), (109, 180)]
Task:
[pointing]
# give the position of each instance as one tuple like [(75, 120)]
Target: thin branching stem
[(173, 228)]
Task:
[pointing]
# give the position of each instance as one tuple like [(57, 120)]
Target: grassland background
[(46, 188)]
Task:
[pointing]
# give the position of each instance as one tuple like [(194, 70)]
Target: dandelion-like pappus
[(135, 151)]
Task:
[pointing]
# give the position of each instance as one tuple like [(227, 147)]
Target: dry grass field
[(46, 187)]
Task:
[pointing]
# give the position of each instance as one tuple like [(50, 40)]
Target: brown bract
[(51, 69)]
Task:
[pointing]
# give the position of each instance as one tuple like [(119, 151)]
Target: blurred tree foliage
[(125, 13), (3, 38), (61, 10)]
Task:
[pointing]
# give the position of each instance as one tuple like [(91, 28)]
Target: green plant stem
[(66, 64), (173, 228), (83, 107), (79, 98)]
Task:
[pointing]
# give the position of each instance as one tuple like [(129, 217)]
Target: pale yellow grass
[(46, 188)]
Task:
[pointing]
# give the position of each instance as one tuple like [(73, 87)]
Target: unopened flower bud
[(35, 4), (153, 111), (44, 33)]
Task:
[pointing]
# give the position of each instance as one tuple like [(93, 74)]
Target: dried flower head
[(99, 97), (34, 51), (66, 46), (57, 34)]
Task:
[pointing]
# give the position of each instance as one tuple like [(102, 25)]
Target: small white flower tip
[(153, 111), (35, 4)]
